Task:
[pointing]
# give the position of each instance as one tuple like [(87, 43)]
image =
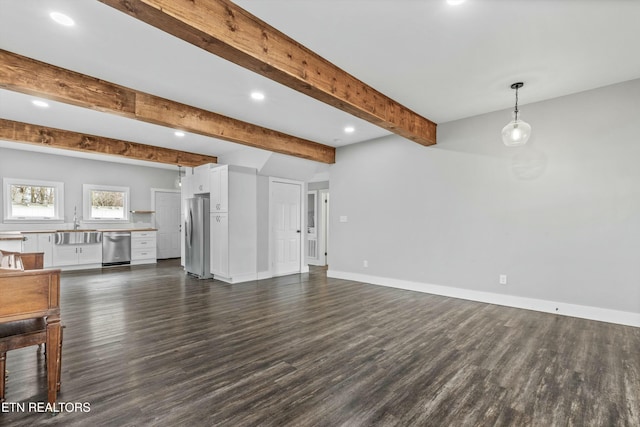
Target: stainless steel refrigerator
[(196, 238)]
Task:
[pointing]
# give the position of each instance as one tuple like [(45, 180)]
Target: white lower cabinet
[(71, 256), (12, 245), (143, 247), (30, 243), (77, 255), (45, 245), (219, 263), (40, 242)]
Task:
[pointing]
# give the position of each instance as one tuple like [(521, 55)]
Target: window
[(33, 201), (104, 203)]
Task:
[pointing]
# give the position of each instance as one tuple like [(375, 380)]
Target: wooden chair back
[(28, 297), (29, 294)]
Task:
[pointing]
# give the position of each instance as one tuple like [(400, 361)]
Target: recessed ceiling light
[(349, 129), (62, 19), (257, 96), (179, 134), (39, 103), (455, 2)]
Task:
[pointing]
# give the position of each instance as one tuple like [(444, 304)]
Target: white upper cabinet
[(201, 179), (219, 187)]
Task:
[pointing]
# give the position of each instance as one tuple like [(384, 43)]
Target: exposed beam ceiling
[(22, 74), (58, 138), (440, 61), (225, 29)]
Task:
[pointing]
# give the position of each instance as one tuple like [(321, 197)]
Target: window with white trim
[(31, 200), (105, 203)]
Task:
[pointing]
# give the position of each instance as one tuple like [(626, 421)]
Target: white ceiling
[(444, 62)]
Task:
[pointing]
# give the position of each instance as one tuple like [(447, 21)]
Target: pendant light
[(178, 181), (516, 132)]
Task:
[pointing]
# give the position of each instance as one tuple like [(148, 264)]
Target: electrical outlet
[(365, 263), (343, 218), (503, 279)]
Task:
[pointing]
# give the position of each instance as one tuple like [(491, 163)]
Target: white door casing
[(286, 224), (167, 221)]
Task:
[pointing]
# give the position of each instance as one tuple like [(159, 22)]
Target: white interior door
[(286, 227), (167, 205)]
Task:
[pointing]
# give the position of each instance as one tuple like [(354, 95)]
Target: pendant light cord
[(516, 111)]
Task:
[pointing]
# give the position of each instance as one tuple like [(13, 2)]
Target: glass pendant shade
[(178, 182), (515, 133)]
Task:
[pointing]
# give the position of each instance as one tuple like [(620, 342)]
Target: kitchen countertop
[(11, 235), (128, 229), (18, 233)]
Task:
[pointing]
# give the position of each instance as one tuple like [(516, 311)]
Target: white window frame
[(86, 202), (58, 200)]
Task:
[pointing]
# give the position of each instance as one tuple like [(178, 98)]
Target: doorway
[(167, 221), (317, 226), (286, 223)]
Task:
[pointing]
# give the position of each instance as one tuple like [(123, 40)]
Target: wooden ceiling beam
[(26, 75), (225, 29), (67, 140)]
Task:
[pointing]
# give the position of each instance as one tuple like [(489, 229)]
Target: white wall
[(560, 216), (74, 172)]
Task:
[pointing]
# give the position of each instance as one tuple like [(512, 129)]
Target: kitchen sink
[(78, 237)]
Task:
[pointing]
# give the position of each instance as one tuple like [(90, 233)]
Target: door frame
[(322, 226), (154, 191), (312, 260), (303, 267)]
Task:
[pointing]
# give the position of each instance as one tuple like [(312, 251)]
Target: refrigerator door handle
[(189, 230), (186, 232)]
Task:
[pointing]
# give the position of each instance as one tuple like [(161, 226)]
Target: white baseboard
[(239, 278), (582, 311), (270, 274), (264, 275), (261, 275)]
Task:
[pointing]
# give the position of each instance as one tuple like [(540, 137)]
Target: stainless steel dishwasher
[(116, 247)]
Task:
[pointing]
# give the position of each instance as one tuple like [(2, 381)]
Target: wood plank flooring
[(148, 345)]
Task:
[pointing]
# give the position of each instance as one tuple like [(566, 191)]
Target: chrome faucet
[(76, 221)]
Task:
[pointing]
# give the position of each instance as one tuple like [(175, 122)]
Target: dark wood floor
[(150, 346)]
